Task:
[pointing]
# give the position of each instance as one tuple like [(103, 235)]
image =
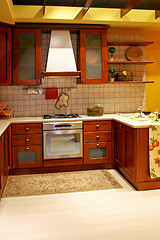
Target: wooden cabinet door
[(93, 56), (5, 56), (130, 152), (27, 156), (27, 55), (4, 159), (119, 137), (98, 152)]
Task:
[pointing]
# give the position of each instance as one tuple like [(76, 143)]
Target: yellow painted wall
[(153, 70)]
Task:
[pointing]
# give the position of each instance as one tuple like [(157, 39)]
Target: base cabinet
[(4, 159), (97, 142), (27, 145), (125, 144)]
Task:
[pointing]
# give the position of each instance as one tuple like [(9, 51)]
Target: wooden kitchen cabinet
[(125, 147), (27, 55), (4, 159), (93, 56), (27, 145), (97, 142), (5, 56)]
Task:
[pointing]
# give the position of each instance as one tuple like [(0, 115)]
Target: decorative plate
[(134, 54)]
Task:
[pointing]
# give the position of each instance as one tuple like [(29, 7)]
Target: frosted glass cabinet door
[(93, 56), (27, 56), (98, 152), (27, 156)]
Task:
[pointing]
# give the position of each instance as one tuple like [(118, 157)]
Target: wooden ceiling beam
[(87, 5), (157, 14), (129, 6), (44, 6)]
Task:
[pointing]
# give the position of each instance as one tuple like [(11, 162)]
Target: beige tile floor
[(119, 214)]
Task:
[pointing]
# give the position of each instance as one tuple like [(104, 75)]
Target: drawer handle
[(97, 137), (97, 144), (97, 126), (27, 139), (27, 148), (27, 128)]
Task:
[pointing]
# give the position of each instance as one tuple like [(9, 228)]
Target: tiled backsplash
[(113, 97)]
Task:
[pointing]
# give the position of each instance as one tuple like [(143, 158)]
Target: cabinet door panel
[(27, 157), (5, 56), (27, 55), (99, 152), (119, 145), (93, 56)]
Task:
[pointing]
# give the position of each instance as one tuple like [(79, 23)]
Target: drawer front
[(28, 139), (27, 128), (97, 126), (97, 136)]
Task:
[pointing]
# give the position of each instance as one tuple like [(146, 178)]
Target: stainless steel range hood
[(61, 61)]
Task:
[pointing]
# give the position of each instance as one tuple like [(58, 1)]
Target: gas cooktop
[(49, 116)]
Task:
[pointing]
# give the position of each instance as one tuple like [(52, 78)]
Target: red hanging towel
[(51, 93)]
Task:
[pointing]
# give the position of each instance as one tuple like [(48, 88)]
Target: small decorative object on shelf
[(96, 110), (5, 112), (134, 54), (112, 70), (125, 76), (112, 50)]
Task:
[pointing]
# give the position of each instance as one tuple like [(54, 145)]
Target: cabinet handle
[(97, 126), (27, 148), (38, 81), (97, 137), (27, 128), (2, 138), (97, 144), (82, 80), (27, 139)]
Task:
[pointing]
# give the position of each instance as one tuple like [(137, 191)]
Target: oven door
[(62, 144)]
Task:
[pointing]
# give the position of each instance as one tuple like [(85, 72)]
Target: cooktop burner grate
[(48, 116)]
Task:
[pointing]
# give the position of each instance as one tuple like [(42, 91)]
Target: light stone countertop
[(135, 123)]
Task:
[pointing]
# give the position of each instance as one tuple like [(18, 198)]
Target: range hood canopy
[(61, 61)]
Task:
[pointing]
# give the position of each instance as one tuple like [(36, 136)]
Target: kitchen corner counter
[(134, 123)]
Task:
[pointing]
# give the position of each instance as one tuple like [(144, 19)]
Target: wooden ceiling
[(124, 5)]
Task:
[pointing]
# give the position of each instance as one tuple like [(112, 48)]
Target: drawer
[(28, 139), (97, 126), (98, 136), (26, 128)]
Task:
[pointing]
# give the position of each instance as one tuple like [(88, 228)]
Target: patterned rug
[(65, 182)]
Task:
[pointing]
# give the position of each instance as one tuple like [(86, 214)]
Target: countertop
[(122, 118)]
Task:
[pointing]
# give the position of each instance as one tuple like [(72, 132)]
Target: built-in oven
[(62, 140)]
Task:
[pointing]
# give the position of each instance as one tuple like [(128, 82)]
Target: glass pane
[(97, 153), (27, 56), (93, 56), (60, 144), (27, 157)]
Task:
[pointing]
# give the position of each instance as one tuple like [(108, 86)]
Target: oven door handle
[(62, 125)]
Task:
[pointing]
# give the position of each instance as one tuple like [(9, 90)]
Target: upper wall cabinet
[(93, 55), (5, 56), (27, 56)]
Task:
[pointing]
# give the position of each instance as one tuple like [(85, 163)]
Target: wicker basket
[(95, 111)]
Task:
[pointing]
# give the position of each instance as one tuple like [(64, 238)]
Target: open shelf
[(128, 43), (129, 62), (73, 74), (116, 82)]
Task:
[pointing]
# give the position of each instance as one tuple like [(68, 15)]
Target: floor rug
[(64, 182)]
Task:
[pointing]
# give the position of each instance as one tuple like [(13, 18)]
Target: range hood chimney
[(61, 61)]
